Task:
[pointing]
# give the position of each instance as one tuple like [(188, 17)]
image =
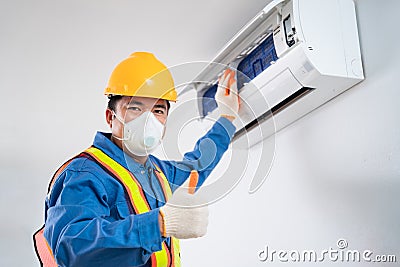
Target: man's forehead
[(145, 101)]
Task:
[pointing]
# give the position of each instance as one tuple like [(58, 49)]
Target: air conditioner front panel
[(317, 56), (256, 98)]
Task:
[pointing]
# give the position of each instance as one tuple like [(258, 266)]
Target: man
[(106, 206)]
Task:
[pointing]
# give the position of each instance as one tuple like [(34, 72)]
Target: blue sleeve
[(205, 156), (81, 230)]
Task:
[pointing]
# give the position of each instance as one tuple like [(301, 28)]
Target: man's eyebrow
[(134, 102), (160, 106)]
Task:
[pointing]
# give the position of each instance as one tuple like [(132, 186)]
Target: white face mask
[(143, 134)]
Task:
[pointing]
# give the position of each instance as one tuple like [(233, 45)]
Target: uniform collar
[(103, 142)]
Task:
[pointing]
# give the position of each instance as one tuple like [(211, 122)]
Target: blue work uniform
[(88, 221)]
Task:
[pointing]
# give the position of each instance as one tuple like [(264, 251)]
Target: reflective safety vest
[(168, 256)]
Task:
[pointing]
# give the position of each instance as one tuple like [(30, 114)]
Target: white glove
[(227, 94), (183, 217)]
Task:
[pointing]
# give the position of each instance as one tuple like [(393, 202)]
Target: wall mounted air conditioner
[(297, 54)]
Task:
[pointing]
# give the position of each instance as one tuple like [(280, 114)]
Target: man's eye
[(134, 108), (159, 111)]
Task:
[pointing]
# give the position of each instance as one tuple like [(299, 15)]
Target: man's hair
[(113, 99)]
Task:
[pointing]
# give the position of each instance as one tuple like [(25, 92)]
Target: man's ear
[(109, 117)]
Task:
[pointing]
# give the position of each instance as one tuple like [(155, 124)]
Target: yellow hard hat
[(142, 74)]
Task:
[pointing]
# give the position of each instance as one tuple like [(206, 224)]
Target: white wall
[(336, 172), (56, 57)]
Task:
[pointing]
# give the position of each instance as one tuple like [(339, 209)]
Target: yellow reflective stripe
[(162, 257), (176, 258), (133, 187), (159, 258), (164, 180)]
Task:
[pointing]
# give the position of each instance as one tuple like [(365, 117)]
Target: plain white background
[(336, 172)]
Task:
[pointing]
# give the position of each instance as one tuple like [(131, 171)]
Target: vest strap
[(42, 249), (168, 257)]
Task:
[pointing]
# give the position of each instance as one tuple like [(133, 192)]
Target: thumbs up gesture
[(182, 216)]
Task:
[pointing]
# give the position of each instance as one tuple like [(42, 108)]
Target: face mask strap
[(118, 117), (123, 123)]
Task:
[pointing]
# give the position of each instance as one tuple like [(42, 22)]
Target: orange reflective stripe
[(43, 250), (164, 182), (165, 257), (161, 257), (175, 248), (60, 170), (132, 186)]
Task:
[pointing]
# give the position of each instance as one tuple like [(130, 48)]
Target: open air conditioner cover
[(294, 56)]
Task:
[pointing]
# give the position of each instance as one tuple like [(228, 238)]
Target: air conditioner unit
[(297, 55)]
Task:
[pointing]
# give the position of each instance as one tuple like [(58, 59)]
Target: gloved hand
[(183, 217), (227, 95)]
